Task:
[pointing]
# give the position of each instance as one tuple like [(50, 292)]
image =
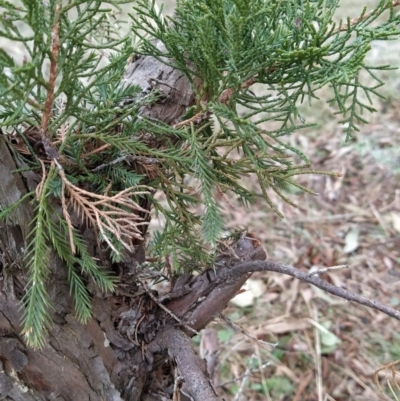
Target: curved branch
[(203, 297), (257, 266)]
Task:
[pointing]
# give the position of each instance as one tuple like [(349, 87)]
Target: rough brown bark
[(130, 348)]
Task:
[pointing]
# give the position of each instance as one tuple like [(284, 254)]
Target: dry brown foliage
[(110, 214)]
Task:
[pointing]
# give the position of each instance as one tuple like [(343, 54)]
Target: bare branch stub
[(174, 89), (207, 295)]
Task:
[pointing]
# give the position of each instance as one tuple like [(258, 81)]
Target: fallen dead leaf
[(395, 216), (253, 289), (284, 327), (351, 240)]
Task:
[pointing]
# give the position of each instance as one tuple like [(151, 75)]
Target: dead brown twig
[(245, 268), (248, 373), (394, 373), (327, 269), (117, 214), (46, 140), (238, 328), (227, 93)]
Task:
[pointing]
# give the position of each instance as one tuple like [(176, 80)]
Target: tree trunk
[(133, 348)]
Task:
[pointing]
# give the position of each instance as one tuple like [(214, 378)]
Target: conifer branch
[(354, 21)]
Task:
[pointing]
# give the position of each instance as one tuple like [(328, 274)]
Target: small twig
[(101, 148), (111, 163), (67, 218), (129, 158), (382, 368), (39, 188), (244, 379), (143, 350), (327, 269), (137, 327), (354, 21), (236, 327), (244, 268), (177, 382), (136, 343), (226, 250), (263, 377), (44, 127), (224, 197), (303, 385), (227, 93), (148, 273), (65, 207), (196, 119), (251, 372), (379, 218), (318, 361), (157, 81), (164, 308)]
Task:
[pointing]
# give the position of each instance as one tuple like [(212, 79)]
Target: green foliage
[(292, 48), (258, 61), (85, 100), (36, 313), (46, 230)]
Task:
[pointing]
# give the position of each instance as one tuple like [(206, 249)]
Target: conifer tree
[(97, 123)]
